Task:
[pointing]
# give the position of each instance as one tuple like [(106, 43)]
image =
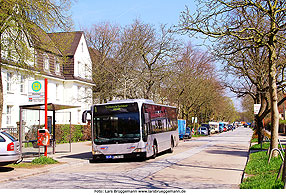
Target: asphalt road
[(213, 162)]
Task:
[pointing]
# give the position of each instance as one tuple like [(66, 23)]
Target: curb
[(14, 178), (243, 174), (44, 170)]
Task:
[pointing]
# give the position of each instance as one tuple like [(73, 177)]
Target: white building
[(66, 64)]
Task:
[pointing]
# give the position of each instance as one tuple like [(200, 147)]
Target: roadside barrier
[(282, 167)]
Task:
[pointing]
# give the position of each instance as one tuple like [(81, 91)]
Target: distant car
[(203, 130), (9, 149), (212, 130), (188, 133), (221, 127)]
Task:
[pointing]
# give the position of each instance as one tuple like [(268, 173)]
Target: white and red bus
[(135, 128)]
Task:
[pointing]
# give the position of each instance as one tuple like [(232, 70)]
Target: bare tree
[(146, 56), (194, 88), (217, 19), (247, 71), (103, 41)]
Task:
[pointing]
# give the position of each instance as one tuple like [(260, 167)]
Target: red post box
[(43, 137)]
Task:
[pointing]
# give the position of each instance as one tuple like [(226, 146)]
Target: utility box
[(43, 137)]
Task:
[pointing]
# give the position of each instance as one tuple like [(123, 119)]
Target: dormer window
[(36, 59), (57, 66), (46, 62)]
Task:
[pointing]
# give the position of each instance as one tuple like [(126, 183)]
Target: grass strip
[(260, 174), (265, 146)]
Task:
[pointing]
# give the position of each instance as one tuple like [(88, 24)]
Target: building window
[(9, 115), (46, 62), (79, 68), (57, 66), (9, 81), (36, 59), (22, 84)]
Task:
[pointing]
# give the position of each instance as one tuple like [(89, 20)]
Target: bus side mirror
[(84, 116)]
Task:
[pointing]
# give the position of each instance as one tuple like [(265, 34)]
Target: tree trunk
[(1, 93), (1, 88), (273, 95), (259, 129)]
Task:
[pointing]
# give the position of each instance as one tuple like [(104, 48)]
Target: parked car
[(182, 127), (214, 127), (224, 129), (221, 127), (188, 133), (203, 130), (9, 149)]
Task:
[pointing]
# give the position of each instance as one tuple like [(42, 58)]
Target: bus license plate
[(114, 157)]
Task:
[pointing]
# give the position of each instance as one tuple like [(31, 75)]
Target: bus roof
[(139, 101), (131, 100)]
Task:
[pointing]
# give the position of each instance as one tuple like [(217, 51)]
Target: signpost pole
[(46, 111)]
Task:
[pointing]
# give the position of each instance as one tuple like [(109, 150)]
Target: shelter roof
[(51, 107)]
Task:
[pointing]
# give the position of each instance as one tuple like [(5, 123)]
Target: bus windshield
[(116, 123)]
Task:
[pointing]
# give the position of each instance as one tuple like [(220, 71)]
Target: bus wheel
[(155, 150), (93, 160), (171, 150)]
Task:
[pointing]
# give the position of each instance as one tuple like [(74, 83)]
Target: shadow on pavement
[(6, 169), (84, 155), (206, 167), (233, 153)]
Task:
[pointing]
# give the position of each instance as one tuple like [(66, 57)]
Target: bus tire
[(93, 160), (171, 150), (155, 150)]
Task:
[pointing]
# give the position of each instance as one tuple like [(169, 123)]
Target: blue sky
[(85, 13), (123, 12)]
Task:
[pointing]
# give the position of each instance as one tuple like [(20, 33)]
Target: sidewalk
[(80, 154), (218, 163)]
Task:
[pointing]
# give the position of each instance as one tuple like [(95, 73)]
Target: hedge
[(78, 133)]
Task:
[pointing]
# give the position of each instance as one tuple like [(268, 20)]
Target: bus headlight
[(95, 152), (138, 150)]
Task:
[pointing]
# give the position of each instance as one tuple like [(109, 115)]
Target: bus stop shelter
[(51, 107)]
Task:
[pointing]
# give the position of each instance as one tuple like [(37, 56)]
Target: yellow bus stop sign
[(36, 86)]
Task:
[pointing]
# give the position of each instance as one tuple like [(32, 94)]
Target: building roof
[(67, 42), (43, 41)]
